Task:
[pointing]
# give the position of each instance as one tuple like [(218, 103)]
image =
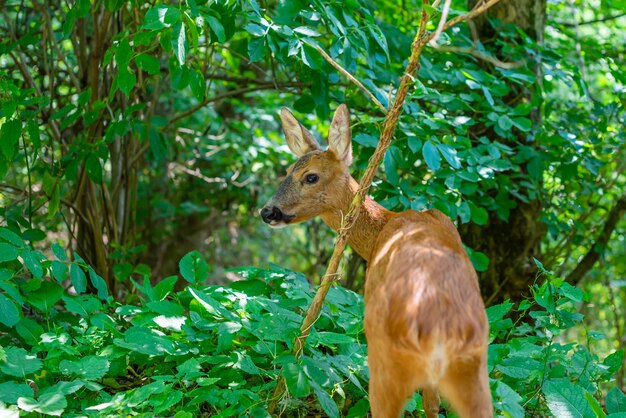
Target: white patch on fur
[(438, 362), (277, 225)]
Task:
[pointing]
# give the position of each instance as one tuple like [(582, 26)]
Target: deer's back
[(421, 289)]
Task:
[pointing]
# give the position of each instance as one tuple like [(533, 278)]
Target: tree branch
[(592, 21), (596, 249)]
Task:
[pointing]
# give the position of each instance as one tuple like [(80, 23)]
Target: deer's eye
[(312, 178)]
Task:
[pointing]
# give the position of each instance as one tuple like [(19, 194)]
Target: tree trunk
[(512, 244)]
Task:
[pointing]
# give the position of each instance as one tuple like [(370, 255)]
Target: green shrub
[(218, 350)]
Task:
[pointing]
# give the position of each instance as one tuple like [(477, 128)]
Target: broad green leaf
[(145, 341), (9, 314), (11, 237), (449, 154), (88, 368), (123, 53), (193, 268), (615, 401), (29, 330), (565, 399), (49, 404), (431, 156), (126, 82), (31, 260), (78, 278), (165, 287), (44, 298), (82, 305), (148, 63), (165, 307), (19, 362), (7, 252), (161, 17), (212, 306), (256, 49), (11, 391), (59, 270), (479, 215), (311, 57), (98, 282), (94, 169), (508, 401), (326, 402), (217, 27), (297, 381)]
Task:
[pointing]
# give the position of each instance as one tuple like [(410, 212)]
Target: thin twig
[(480, 55), (353, 79), (592, 21), (442, 21)]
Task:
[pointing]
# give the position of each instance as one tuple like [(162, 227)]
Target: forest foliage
[(138, 140)]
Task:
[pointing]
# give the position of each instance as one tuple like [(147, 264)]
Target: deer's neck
[(372, 219)]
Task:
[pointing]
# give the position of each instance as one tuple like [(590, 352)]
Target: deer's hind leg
[(391, 383), (466, 386)]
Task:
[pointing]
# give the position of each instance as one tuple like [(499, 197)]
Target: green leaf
[(7, 252), (366, 140), (49, 404), (35, 137), (126, 82), (29, 330), (256, 49), (615, 401), (566, 399), (217, 27), (212, 306), (78, 278), (10, 133), (44, 298), (11, 237), (297, 381), (508, 401), (479, 215), (11, 391), (196, 82), (326, 402), (164, 287), (165, 307), (98, 282), (31, 260), (160, 17), (431, 156), (145, 341), (595, 406), (9, 314), (179, 42), (479, 260), (88, 368), (311, 57), (123, 53), (148, 63), (59, 270), (193, 268), (391, 168), (449, 154), (505, 123), (94, 169), (523, 124), (20, 363)]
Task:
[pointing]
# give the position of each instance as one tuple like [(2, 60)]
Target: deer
[(425, 320)]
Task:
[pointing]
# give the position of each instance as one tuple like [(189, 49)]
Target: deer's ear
[(340, 136), (299, 140)]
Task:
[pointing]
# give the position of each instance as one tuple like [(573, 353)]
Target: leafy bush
[(218, 350)]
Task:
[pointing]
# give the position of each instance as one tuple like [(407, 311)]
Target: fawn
[(425, 320)]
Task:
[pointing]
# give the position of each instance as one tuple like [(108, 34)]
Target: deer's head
[(319, 180)]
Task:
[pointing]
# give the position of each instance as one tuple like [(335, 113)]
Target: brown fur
[(425, 321)]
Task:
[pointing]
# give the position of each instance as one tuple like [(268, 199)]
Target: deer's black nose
[(271, 214)]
